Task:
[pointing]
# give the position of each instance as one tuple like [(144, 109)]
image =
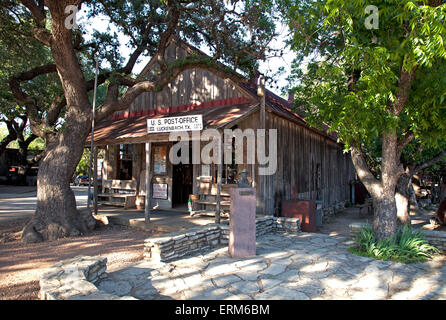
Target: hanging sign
[(185, 123), (159, 191)]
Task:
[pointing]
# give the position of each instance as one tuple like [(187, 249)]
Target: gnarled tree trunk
[(56, 215)]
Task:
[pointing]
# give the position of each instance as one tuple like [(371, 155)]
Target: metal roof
[(134, 129)]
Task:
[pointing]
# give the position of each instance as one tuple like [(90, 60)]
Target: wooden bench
[(208, 197), (118, 193), (368, 203)]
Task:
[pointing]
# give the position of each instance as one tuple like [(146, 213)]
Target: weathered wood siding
[(190, 87), (302, 157)]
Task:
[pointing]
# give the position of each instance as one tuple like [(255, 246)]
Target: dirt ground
[(22, 264)]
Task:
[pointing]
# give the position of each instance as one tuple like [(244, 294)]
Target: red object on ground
[(305, 210), (441, 211)]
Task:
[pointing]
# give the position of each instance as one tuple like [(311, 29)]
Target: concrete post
[(242, 225)]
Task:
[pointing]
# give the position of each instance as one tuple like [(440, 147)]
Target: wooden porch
[(161, 220)]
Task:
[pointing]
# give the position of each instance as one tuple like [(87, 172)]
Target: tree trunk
[(402, 198), (382, 190), (56, 215), (385, 222), (12, 135)]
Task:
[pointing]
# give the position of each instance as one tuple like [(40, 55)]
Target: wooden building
[(310, 163)]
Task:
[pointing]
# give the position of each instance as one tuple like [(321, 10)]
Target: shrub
[(408, 246)]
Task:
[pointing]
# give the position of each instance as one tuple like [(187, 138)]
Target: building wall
[(309, 166), (190, 87)]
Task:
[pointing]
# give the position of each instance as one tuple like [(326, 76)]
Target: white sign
[(160, 191), (186, 123)]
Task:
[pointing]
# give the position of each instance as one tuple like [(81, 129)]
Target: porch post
[(262, 95), (95, 181), (219, 180), (148, 185)]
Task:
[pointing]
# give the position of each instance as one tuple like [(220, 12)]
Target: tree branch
[(138, 87), (427, 164), (405, 140), (404, 86), (364, 174), (12, 135)]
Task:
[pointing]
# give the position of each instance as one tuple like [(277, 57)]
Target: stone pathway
[(294, 267)]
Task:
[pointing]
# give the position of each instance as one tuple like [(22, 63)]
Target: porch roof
[(134, 130)]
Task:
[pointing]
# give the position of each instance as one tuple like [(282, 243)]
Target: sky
[(271, 64)]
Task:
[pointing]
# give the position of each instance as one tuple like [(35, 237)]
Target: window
[(160, 160), (125, 162), (125, 152)]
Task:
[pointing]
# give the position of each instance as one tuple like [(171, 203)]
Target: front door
[(182, 183)]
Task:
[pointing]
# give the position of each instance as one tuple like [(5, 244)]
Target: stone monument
[(242, 224)]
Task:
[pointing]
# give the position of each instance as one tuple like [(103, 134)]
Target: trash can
[(319, 204), (305, 210)]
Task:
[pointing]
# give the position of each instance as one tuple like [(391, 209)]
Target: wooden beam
[(95, 181), (148, 185), (262, 94), (219, 182)]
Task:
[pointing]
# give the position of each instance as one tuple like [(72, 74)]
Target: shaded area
[(338, 224), (166, 220)]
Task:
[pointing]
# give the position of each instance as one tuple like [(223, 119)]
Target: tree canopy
[(374, 72), (353, 79)]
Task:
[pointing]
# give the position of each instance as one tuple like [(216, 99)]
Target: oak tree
[(237, 34)]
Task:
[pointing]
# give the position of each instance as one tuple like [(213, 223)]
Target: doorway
[(181, 184)]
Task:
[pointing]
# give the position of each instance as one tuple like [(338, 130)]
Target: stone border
[(175, 245), (74, 279), (435, 238)]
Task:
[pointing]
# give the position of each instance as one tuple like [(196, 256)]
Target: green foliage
[(84, 164), (353, 73), (408, 246), (20, 52), (237, 35)]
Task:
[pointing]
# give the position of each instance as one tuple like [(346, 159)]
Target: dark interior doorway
[(182, 181), (182, 184)]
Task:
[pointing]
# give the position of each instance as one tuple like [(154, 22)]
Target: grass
[(408, 246)]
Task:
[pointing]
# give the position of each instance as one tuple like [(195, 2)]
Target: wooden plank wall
[(190, 87), (300, 151)]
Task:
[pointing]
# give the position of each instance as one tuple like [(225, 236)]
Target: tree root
[(39, 230)]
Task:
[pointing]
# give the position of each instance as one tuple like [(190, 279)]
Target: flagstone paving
[(287, 266)]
